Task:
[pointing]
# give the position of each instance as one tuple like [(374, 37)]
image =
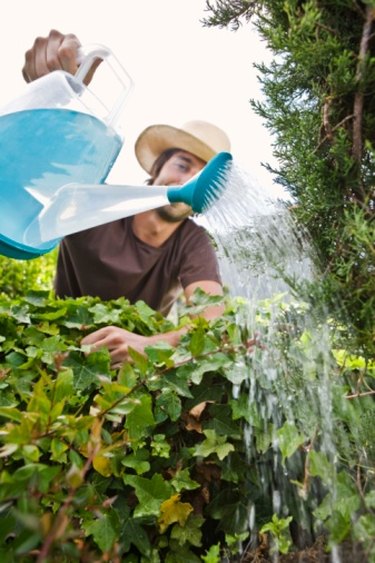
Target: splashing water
[(267, 260), (261, 249)]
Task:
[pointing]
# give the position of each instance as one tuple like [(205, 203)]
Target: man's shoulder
[(191, 225)]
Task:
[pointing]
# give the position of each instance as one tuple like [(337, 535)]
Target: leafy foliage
[(164, 459), (320, 108), (17, 277)]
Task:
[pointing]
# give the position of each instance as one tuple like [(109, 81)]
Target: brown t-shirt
[(109, 261)]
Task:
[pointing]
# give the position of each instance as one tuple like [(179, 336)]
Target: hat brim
[(156, 139)]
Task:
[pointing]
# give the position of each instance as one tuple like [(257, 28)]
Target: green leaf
[(139, 461), (178, 381), (104, 530), (216, 362), (231, 507), (196, 345), (167, 405), (133, 533), (212, 555), (182, 481), (213, 444), (150, 493), (160, 354), (103, 314), (289, 439), (12, 413), (364, 529), (52, 315), (191, 533), (221, 421), (64, 385), (159, 446), (320, 466), (140, 421), (87, 369)]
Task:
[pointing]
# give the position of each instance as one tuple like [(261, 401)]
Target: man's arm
[(118, 340)]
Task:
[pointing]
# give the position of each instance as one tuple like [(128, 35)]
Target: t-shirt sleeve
[(198, 260)]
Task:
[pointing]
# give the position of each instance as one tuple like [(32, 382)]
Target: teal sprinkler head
[(206, 187)]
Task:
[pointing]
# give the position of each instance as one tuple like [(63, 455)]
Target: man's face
[(177, 171)]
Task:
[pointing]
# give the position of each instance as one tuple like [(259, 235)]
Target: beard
[(174, 213)]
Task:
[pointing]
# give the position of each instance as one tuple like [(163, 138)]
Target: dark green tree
[(320, 106)]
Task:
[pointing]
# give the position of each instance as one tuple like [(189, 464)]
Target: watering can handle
[(87, 55)]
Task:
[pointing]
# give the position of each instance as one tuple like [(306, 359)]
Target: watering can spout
[(76, 207), (205, 187)]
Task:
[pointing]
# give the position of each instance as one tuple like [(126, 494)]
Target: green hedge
[(17, 277), (170, 458)]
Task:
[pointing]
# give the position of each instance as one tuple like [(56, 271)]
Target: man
[(154, 254)]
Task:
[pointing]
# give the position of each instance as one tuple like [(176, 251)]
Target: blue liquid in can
[(41, 150)]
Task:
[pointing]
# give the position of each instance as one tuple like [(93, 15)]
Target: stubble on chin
[(174, 213)]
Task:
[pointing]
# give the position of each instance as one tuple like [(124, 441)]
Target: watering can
[(59, 131), (55, 153), (76, 207)]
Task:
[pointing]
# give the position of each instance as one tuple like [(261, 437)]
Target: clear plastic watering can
[(58, 132)]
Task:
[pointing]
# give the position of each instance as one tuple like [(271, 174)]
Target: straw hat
[(200, 138)]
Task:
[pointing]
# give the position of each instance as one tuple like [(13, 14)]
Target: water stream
[(268, 262)]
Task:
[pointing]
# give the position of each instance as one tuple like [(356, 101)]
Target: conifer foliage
[(320, 107)]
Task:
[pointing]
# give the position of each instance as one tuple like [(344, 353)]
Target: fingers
[(55, 52), (65, 55), (112, 338)]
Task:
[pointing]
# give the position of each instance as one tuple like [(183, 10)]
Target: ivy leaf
[(320, 466), (145, 312), (159, 446), (37, 298), (182, 481), (212, 555), (264, 437), (178, 381), (140, 420), (77, 316), (244, 408), (216, 362), (51, 315), (191, 533), (289, 439), (171, 511), (213, 444), (237, 372), (221, 421), (21, 313), (87, 369), (137, 460), (196, 344), (231, 509), (167, 404), (133, 533), (104, 530), (105, 315), (51, 347), (151, 493), (160, 354)]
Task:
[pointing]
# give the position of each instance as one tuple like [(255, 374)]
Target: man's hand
[(55, 52), (118, 341)]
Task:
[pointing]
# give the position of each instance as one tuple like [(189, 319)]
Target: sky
[(181, 70)]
